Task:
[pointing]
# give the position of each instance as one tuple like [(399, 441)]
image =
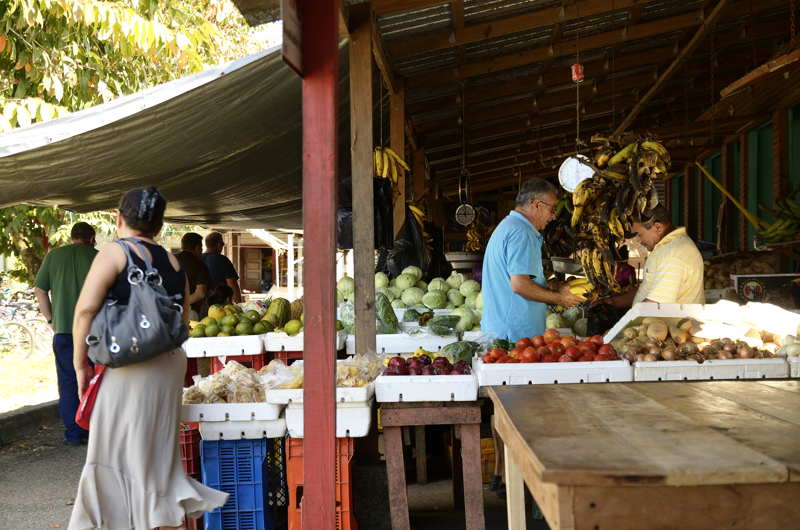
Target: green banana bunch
[(786, 213)]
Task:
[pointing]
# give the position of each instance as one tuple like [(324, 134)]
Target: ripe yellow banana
[(393, 171), (655, 146), (378, 155), (398, 158), (385, 172), (623, 154)]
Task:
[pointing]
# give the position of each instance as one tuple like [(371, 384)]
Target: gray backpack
[(149, 324)]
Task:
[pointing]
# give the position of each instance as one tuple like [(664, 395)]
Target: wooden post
[(726, 206), (700, 204), (744, 171), (290, 265), (687, 194), (397, 136), (362, 166), (418, 174), (320, 56)]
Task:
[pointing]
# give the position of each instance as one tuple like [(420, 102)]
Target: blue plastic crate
[(237, 467)]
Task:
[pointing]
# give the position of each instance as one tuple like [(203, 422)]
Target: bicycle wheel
[(20, 339)]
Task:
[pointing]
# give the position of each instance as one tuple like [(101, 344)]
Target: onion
[(640, 357), (725, 354), (630, 357), (668, 354), (718, 344), (630, 333), (729, 347), (688, 348), (653, 350), (793, 349), (744, 352), (650, 357)]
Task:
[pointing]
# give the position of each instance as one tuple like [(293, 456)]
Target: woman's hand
[(84, 374)]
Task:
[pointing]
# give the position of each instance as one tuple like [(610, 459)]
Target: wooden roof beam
[(380, 59), (698, 37)]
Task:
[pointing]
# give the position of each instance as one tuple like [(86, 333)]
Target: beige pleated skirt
[(133, 477)]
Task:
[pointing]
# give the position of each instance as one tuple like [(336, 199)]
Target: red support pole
[(320, 61)]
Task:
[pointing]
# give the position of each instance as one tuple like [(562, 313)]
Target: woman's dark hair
[(221, 295), (143, 210)]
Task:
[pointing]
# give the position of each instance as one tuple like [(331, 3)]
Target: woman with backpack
[(133, 477)]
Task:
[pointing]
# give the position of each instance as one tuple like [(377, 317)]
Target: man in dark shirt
[(196, 271), (58, 284), (220, 268)]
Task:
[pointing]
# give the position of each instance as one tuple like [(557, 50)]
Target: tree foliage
[(59, 56)]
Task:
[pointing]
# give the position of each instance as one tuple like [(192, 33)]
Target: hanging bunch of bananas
[(786, 213), (580, 287), (388, 164), (559, 236), (620, 193), (419, 216)]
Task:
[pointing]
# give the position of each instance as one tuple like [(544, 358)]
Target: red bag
[(84, 412)]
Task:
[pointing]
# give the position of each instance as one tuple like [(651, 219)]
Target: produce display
[(425, 365), (570, 318), (552, 347), (235, 383), (355, 371), (680, 339), (605, 206), (786, 215), (718, 273)]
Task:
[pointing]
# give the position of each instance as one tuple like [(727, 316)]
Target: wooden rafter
[(380, 59)]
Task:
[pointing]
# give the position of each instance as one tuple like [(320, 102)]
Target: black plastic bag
[(383, 213)]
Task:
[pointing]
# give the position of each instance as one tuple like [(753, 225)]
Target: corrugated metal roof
[(408, 24), (427, 62), (479, 11), (507, 44), (668, 8), (586, 26)]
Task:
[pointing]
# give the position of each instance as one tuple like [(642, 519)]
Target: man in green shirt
[(57, 287)]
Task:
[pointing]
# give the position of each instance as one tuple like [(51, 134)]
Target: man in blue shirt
[(515, 293), (220, 269)]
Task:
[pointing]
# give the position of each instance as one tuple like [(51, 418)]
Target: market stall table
[(689, 455)]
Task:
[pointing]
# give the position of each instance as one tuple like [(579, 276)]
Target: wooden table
[(688, 455), (466, 417)]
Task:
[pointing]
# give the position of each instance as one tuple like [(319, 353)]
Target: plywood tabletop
[(678, 434)]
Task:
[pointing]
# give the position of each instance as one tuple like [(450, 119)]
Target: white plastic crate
[(775, 368), (794, 366), (231, 412), (352, 419), (403, 343), (343, 395), (395, 388), (238, 430), (224, 346), (490, 374), (283, 342)]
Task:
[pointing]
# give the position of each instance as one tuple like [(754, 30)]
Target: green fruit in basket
[(212, 331), (252, 315), (216, 311), (268, 326), (244, 328), (259, 328), (229, 320), (339, 325), (228, 330), (234, 309), (223, 334), (198, 331), (293, 327), (208, 321)]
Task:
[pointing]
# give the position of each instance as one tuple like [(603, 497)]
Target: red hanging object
[(577, 73)]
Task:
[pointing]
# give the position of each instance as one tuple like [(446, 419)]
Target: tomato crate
[(345, 516), (190, 448), (246, 470), (256, 361)]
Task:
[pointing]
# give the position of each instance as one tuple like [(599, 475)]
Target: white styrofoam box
[(283, 342), (765, 317), (394, 388), (775, 368), (794, 366), (238, 430), (343, 394), (490, 374), (231, 412), (223, 346), (403, 343), (352, 419)]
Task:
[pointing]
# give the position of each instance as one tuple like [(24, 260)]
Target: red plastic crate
[(345, 518), (285, 356), (191, 371), (256, 362), (190, 448)]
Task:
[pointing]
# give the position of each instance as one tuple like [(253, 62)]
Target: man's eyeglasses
[(552, 206)]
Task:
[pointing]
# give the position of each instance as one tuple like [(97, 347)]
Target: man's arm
[(522, 285), (622, 301), (45, 308), (198, 294), (233, 283)]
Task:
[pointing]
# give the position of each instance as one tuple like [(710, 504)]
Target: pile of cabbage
[(409, 291)]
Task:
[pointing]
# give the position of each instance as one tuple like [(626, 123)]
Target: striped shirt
[(673, 272)]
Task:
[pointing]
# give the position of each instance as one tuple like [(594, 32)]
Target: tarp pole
[(320, 56)]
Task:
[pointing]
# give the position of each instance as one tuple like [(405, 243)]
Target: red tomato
[(587, 348), (551, 335), (503, 359), (603, 357), (497, 353), (586, 358), (568, 341), (523, 343), (543, 351), (556, 348), (549, 358), (515, 352), (607, 349), (587, 340), (572, 351), (513, 361), (597, 339), (538, 340), (487, 358), (566, 359)]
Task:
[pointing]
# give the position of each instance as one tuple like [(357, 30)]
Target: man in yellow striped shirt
[(674, 268)]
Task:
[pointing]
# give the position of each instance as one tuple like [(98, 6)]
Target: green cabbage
[(399, 304), (381, 280), (572, 314), (412, 296), (554, 320), (346, 285), (387, 292), (414, 271), (581, 327), (396, 291), (455, 297), (455, 280), (438, 284), (404, 281), (469, 287), (470, 299), (434, 299), (479, 301), (422, 285), (467, 318)]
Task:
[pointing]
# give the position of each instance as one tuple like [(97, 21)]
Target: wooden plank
[(396, 478), (750, 506), (421, 447), (767, 68), (515, 494), (397, 141), (473, 482), (320, 52), (643, 442), (419, 174), (744, 172), (787, 386), (772, 400), (424, 415), (362, 168), (707, 25), (771, 436)]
